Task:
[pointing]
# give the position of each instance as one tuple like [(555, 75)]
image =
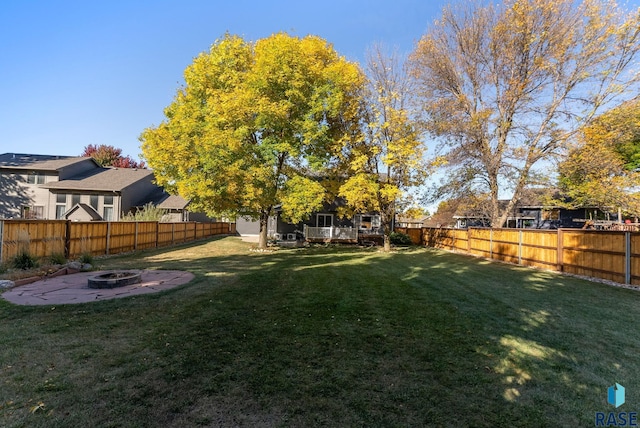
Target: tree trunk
[(264, 222), (386, 218), (495, 202), (387, 243)]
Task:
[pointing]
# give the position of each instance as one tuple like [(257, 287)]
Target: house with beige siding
[(76, 188)]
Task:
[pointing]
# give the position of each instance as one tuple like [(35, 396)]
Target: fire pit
[(115, 279)]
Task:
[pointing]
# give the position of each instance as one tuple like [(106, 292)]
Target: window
[(107, 210), (552, 214), (61, 205), (369, 221), (93, 201), (75, 199), (107, 213), (37, 212), (324, 220), (34, 178)]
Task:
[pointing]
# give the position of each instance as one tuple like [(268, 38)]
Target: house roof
[(173, 202), (86, 208), (38, 162), (403, 219), (161, 199), (102, 179)]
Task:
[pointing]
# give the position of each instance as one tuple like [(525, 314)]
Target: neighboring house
[(111, 192), (177, 208), (174, 206), (531, 213), (411, 223), (327, 225), (23, 176), (77, 188), (544, 217)]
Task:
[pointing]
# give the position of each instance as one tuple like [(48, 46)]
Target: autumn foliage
[(601, 169), (504, 87), (107, 155), (254, 124)]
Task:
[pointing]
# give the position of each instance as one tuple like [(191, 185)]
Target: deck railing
[(331, 233)]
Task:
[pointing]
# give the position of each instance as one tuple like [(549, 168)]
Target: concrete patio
[(73, 288)]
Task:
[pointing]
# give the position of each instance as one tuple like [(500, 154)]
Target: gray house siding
[(246, 226), (135, 194)]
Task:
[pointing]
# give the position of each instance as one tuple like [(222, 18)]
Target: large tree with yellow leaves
[(253, 122)]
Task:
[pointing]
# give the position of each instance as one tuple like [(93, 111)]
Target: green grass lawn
[(324, 337)]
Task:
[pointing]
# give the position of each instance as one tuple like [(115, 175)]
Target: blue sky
[(74, 73)]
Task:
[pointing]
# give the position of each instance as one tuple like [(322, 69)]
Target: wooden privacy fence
[(44, 238), (611, 255)]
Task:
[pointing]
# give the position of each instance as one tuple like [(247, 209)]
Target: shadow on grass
[(329, 336)]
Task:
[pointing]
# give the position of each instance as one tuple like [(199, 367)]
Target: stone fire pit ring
[(115, 278)]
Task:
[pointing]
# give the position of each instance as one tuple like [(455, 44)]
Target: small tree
[(389, 159), (110, 156), (601, 170)]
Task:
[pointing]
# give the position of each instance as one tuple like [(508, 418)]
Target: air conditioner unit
[(291, 236), (278, 236)]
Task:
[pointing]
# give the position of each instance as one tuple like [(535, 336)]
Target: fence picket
[(44, 238), (599, 254)]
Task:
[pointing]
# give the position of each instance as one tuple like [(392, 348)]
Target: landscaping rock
[(87, 267), (5, 283), (74, 265)]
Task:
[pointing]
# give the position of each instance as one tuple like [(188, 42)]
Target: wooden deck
[(350, 235)]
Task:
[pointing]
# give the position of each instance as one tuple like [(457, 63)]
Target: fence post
[(135, 238), (157, 233), (67, 240), (1, 238), (560, 251), (108, 238), (491, 243), (520, 247), (627, 258)]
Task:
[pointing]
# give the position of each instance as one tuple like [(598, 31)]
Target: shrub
[(399, 238), (149, 212), (25, 261), (86, 258), (57, 259)]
